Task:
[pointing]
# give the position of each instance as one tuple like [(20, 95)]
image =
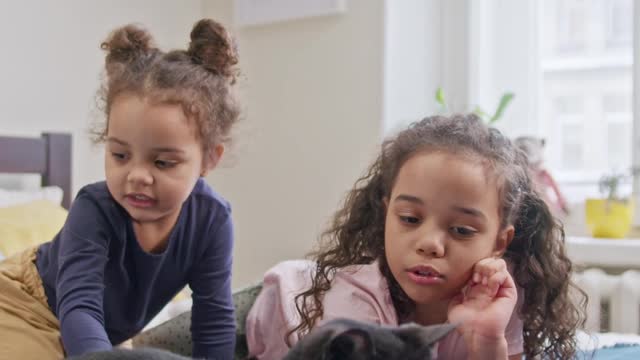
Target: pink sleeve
[(360, 294), (273, 313), (515, 327)]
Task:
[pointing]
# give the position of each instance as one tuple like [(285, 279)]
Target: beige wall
[(313, 95), (51, 62)]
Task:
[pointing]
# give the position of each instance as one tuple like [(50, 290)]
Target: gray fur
[(352, 340), (126, 354)]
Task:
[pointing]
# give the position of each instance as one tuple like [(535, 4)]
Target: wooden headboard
[(49, 156)]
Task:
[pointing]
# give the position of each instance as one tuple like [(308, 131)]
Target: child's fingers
[(496, 280), (485, 268), (502, 285), (489, 266)]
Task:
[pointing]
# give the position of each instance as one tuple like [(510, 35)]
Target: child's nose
[(431, 243), (140, 175)]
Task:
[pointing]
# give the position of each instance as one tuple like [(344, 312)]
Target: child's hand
[(485, 306)]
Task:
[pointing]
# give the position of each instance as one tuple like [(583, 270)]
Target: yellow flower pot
[(609, 218)]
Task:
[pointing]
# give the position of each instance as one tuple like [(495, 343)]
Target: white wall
[(51, 62), (413, 59), (313, 94), (474, 49), (431, 44), (499, 59)]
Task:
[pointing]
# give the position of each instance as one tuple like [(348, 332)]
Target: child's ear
[(503, 240), (211, 159)]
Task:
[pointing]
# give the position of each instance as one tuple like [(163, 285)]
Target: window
[(586, 64), (619, 23), (570, 64)]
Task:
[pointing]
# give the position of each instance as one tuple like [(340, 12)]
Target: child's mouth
[(425, 275), (139, 200)]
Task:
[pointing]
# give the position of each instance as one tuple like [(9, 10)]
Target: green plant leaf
[(483, 115), (440, 97), (502, 105), (609, 185)]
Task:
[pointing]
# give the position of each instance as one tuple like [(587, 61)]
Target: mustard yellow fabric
[(28, 328)]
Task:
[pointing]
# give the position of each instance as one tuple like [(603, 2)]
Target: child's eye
[(164, 164), (119, 156), (463, 231), (411, 220)]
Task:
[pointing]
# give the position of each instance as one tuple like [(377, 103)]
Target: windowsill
[(582, 63), (577, 192), (610, 253), (570, 178)]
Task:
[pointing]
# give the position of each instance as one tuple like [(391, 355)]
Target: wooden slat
[(58, 170), (22, 155)]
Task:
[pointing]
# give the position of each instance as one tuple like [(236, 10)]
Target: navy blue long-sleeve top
[(104, 288)]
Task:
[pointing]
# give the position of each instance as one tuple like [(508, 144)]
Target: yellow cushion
[(29, 224)]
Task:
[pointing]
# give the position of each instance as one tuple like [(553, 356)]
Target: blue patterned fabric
[(617, 352)]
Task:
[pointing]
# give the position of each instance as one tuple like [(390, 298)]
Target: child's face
[(442, 218), (152, 159)]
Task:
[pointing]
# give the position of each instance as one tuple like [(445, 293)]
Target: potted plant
[(612, 215)]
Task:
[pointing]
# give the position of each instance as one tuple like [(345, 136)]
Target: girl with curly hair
[(445, 226)]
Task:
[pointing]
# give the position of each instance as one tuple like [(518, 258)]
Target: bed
[(33, 214), (48, 155)]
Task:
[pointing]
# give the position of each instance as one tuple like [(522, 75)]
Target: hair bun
[(127, 43), (213, 47)]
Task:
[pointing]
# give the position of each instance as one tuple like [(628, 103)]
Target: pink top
[(358, 292)]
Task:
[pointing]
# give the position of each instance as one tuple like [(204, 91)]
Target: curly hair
[(199, 79), (553, 308)]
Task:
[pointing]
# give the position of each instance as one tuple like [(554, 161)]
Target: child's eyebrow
[(469, 211), (156, 149), (409, 198), (117, 141), (461, 209), (168, 149)]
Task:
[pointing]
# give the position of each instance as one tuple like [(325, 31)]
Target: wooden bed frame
[(49, 156)]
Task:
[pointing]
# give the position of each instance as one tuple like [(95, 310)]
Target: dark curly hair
[(553, 308), (199, 79)]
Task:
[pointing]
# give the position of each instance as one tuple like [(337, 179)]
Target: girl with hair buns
[(132, 242)]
